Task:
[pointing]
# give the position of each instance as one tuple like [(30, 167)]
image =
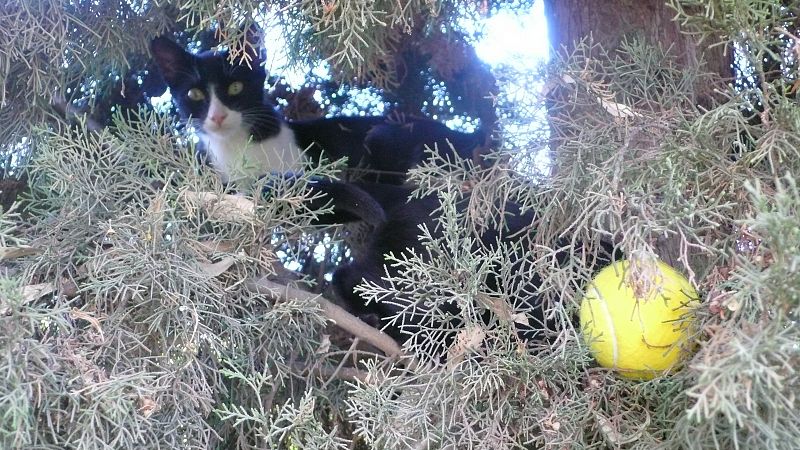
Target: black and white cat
[(244, 136)]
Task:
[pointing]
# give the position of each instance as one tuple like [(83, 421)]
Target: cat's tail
[(350, 203), (343, 202)]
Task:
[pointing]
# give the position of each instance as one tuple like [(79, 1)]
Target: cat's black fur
[(385, 147), (398, 233)]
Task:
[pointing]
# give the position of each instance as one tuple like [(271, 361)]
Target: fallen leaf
[(520, 318), (147, 406), (34, 291), (618, 109), (218, 268), (467, 340), (325, 345), (497, 305), (76, 313), (18, 251), (221, 206)]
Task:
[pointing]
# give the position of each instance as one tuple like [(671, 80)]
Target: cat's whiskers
[(260, 116)]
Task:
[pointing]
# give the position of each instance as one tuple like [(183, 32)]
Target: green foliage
[(52, 45), (128, 317), (356, 36), (141, 307)]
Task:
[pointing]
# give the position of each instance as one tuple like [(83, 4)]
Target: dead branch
[(351, 374), (18, 252), (335, 313), (221, 206)]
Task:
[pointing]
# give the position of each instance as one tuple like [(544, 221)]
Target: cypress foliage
[(143, 306)]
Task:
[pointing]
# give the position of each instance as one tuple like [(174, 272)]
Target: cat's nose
[(218, 118)]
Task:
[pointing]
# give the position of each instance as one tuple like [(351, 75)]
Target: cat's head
[(220, 97)]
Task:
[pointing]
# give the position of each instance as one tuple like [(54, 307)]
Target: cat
[(244, 136), (397, 233)]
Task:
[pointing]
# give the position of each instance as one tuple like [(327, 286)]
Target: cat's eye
[(235, 88), (195, 94)]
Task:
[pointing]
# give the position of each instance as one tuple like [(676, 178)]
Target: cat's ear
[(172, 60)]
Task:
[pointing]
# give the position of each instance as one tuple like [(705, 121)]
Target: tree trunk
[(607, 22)]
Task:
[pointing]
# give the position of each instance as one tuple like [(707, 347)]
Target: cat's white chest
[(235, 155)]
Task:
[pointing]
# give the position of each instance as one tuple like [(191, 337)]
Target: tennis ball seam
[(611, 329)]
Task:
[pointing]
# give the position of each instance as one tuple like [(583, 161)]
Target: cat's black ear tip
[(170, 58)]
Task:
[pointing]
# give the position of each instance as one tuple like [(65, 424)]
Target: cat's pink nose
[(218, 119)]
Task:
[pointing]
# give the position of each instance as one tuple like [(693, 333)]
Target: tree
[(620, 30), (678, 144), (145, 307), (571, 21)]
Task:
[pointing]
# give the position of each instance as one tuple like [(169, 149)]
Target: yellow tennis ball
[(638, 323)]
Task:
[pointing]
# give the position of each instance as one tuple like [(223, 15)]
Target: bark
[(607, 22)]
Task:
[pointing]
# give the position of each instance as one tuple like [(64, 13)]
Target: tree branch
[(335, 313), (70, 113), (351, 374)]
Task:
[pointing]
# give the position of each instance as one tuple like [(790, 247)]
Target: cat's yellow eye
[(195, 94), (235, 88)]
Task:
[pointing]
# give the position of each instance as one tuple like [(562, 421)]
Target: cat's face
[(220, 98)]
